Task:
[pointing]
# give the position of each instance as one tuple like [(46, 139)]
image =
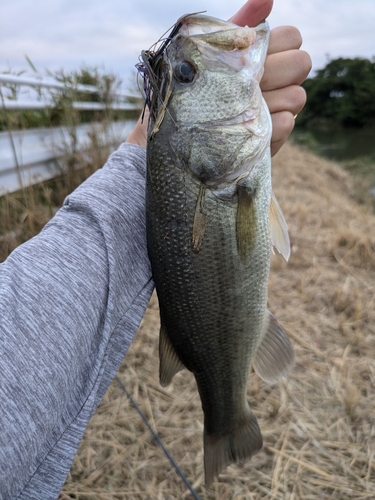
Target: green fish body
[(211, 223)]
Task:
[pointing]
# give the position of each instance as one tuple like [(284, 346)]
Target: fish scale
[(207, 284)]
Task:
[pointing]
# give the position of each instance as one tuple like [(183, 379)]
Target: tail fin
[(242, 444)]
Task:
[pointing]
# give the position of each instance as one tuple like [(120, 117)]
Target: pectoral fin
[(274, 357), (279, 229), (200, 220), (169, 361), (245, 224)]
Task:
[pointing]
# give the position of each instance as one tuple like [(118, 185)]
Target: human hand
[(285, 69)]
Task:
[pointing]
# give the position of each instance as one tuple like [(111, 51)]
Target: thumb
[(252, 13)]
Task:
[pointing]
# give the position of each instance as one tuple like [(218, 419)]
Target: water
[(353, 148), (338, 143)]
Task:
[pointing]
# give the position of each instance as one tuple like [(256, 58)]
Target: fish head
[(207, 102), (218, 46)]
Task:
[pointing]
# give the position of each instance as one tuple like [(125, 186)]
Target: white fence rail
[(31, 156), (119, 100), (82, 106), (31, 82)]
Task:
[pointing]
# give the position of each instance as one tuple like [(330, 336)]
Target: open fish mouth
[(197, 24)]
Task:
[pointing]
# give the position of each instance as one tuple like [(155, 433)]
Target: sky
[(110, 35)]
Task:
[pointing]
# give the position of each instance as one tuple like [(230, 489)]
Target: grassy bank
[(318, 425)]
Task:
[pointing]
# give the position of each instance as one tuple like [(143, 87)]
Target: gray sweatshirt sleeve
[(71, 300)]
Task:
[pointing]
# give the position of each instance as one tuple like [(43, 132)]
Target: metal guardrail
[(31, 156), (82, 106), (23, 80), (118, 103)]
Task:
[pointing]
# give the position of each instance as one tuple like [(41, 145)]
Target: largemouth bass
[(211, 223)]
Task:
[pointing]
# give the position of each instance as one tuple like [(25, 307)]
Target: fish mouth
[(223, 45), (199, 24), (223, 35)]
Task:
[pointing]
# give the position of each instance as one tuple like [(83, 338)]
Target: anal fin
[(244, 442), (274, 357), (170, 364)]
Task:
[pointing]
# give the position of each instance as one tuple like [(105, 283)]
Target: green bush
[(343, 92)]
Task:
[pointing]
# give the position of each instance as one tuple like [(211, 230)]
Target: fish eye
[(184, 72)]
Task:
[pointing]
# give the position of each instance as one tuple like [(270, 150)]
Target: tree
[(343, 92)]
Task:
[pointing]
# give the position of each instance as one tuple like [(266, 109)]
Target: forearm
[(71, 300)]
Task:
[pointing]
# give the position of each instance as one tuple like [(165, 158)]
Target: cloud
[(70, 33), (340, 29)]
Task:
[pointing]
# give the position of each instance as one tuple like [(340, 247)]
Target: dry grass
[(318, 425), (24, 213)]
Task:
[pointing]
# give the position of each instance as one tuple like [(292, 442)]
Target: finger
[(252, 13), (139, 133), (284, 38), (291, 98), (285, 68), (282, 125)]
